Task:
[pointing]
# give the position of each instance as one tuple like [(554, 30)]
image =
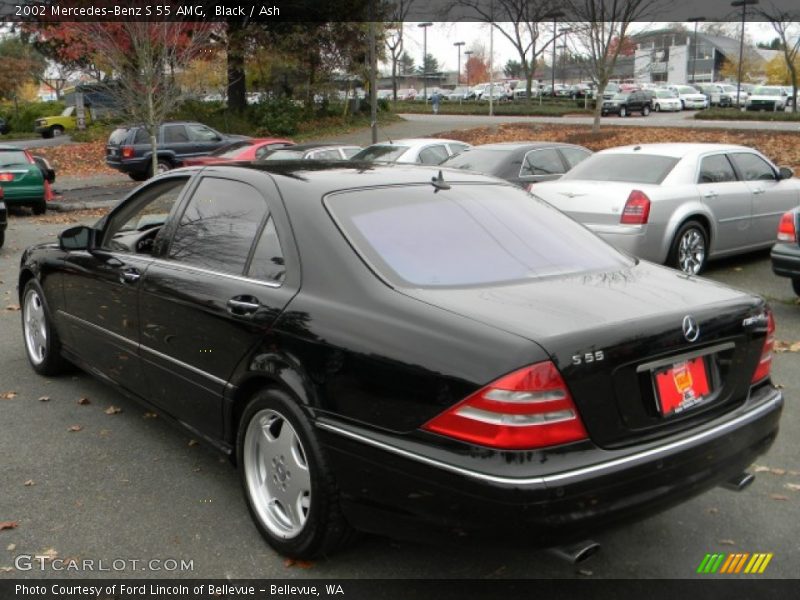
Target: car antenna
[(439, 183)]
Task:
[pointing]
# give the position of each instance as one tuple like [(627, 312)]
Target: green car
[(22, 179)]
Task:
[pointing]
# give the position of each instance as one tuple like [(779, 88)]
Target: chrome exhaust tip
[(740, 482), (575, 553)]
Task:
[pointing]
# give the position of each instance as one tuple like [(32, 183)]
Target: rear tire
[(39, 208), (287, 482), (689, 250), (645, 111), (623, 112), (138, 176), (42, 344), (795, 281), (57, 131), (2, 237), (163, 166)]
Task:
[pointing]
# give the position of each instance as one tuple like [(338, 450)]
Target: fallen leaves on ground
[(78, 160), (192, 443), (150, 415), (303, 564), (8, 525), (8, 395), (11, 547), (779, 497), (44, 398), (113, 410), (727, 542), (29, 483), (712, 510), (84, 401), (12, 307), (782, 147), (66, 218), (792, 486), (48, 554), (781, 346), (73, 428)]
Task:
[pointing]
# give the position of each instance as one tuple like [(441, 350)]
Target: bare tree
[(518, 21), (144, 57), (785, 24), (601, 26), (394, 38)]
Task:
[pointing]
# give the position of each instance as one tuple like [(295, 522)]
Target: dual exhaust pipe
[(578, 552)]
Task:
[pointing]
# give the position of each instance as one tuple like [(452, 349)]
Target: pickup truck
[(66, 121)]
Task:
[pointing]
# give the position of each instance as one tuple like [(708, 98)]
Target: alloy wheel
[(35, 327), (691, 251), (277, 474)]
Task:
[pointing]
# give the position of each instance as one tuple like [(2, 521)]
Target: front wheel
[(645, 111), (286, 479), (689, 251), (795, 282), (41, 340), (57, 131), (658, 108)]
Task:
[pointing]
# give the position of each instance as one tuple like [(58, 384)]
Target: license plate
[(681, 386)]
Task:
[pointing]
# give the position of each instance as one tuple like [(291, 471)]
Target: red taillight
[(6, 177), (127, 152), (786, 228), (529, 408), (765, 362), (637, 209)]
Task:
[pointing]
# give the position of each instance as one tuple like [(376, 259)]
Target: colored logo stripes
[(729, 564)]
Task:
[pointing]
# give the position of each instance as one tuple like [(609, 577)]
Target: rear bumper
[(398, 489), (786, 260), (131, 165), (638, 240)]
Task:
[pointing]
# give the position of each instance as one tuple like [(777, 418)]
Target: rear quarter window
[(118, 136)]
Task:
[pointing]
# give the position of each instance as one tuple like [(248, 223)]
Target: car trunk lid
[(610, 333), (591, 202)]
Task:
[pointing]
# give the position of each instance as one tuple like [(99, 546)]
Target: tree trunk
[(528, 83), (598, 106), (394, 79), (793, 73), (237, 88)]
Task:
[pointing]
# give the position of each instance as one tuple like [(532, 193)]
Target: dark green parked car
[(22, 179)]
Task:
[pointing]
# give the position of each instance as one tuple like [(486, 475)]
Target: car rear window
[(468, 235), (231, 150), (12, 157), (118, 136), (387, 153), (480, 160), (632, 168), (285, 154)]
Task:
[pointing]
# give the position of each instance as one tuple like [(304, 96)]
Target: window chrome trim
[(182, 265), (772, 403), (138, 346)]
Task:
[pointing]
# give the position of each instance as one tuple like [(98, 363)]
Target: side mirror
[(77, 238), (785, 173)]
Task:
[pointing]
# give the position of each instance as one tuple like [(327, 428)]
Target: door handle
[(710, 194), (129, 275), (244, 306)]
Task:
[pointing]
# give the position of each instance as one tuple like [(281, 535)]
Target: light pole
[(555, 15), (467, 53), (425, 58), (458, 50), (695, 20), (744, 4), (564, 32)]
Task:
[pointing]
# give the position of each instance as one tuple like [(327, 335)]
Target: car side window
[(267, 263), (351, 151), (149, 209), (175, 134), (142, 137), (217, 229), (753, 167), (201, 133), (458, 148), (574, 155), (433, 155), (541, 162), (715, 169), (326, 155)]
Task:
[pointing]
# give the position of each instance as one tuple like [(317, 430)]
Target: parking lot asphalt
[(128, 486)]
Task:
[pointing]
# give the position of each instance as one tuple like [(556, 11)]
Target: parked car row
[(426, 352)]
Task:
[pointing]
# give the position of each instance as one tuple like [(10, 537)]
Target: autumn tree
[(20, 64), (476, 68), (394, 38), (785, 25), (599, 25), (752, 68), (145, 57)]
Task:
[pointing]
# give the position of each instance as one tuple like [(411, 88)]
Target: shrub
[(23, 118)]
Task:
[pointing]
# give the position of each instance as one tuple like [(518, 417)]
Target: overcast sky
[(441, 37)]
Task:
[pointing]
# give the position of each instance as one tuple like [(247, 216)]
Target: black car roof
[(517, 145)]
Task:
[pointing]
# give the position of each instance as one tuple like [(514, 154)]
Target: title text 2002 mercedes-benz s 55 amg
[(391, 350)]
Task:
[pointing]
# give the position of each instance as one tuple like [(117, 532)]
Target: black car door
[(214, 293), (176, 139), (204, 139), (101, 287)]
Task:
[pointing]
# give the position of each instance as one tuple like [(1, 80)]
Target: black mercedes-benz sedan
[(408, 351)]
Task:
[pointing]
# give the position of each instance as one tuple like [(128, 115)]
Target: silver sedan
[(678, 204), (425, 151)]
